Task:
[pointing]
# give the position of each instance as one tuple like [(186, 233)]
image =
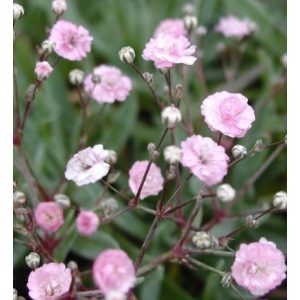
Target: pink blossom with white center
[(88, 165), (153, 183), (49, 216), (113, 85), (87, 222), (71, 42), (166, 50), (49, 282), (228, 113), (43, 70), (232, 26), (259, 267), (114, 273), (205, 159), (174, 27)]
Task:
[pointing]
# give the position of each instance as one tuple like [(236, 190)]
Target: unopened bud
[(47, 46), (258, 146), (76, 77), (170, 116), (18, 11), (280, 200), (59, 7), (109, 206), (112, 157), (190, 22), (204, 240), (252, 222), (19, 197), (225, 192), (15, 294), (148, 77), (127, 55), (171, 172), (226, 280), (32, 260), (72, 265), (178, 92), (62, 200), (201, 30), (172, 154), (43, 70), (239, 151)]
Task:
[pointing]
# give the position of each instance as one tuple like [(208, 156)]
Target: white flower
[(59, 6), (172, 154), (88, 165), (225, 192), (18, 11)]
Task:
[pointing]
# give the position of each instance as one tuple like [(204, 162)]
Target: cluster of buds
[(171, 116), (153, 153), (204, 240), (252, 222), (172, 154), (225, 192)]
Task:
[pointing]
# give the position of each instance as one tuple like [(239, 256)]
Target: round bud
[(72, 265), (170, 116), (127, 55), (59, 7), (76, 77), (18, 11), (32, 260), (258, 146), (252, 222), (109, 206), (96, 78), (280, 200), (112, 157), (62, 200), (284, 60), (148, 77), (239, 151), (47, 46), (172, 154), (15, 294), (19, 197), (171, 172), (201, 240), (201, 30), (226, 280), (190, 22), (225, 192), (43, 70)]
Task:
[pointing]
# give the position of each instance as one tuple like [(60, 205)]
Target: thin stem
[(205, 266), (17, 99), (83, 105), (210, 252), (169, 83)]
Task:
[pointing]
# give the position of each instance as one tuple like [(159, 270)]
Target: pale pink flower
[(232, 26), (88, 165), (228, 113), (113, 85), (154, 180), (87, 222), (174, 27), (43, 70), (205, 159), (71, 42), (166, 50), (259, 267), (49, 282), (114, 273), (59, 6), (49, 216)]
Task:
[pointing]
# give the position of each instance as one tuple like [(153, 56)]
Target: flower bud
[(258, 146), (239, 151), (76, 77), (43, 70), (204, 240), (226, 280), (178, 92), (19, 197), (172, 154), (109, 206), (112, 157), (201, 30), (72, 265), (127, 55), (252, 222), (15, 294), (170, 116), (190, 22), (47, 46), (171, 172), (32, 260), (62, 200), (18, 11), (59, 7), (280, 200), (225, 192), (148, 77), (96, 78)]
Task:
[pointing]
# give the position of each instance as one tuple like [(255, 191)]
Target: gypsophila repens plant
[(149, 150)]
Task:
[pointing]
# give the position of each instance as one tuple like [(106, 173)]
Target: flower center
[(53, 289), (252, 269), (230, 108)]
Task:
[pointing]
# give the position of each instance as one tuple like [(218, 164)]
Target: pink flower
[(88, 165), (87, 223), (49, 282), (174, 27), (232, 26), (49, 216), (259, 267), (112, 86), (154, 180), (71, 42), (43, 70), (114, 273), (205, 159), (166, 50), (228, 113)]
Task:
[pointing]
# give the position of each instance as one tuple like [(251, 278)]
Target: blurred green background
[(52, 130)]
